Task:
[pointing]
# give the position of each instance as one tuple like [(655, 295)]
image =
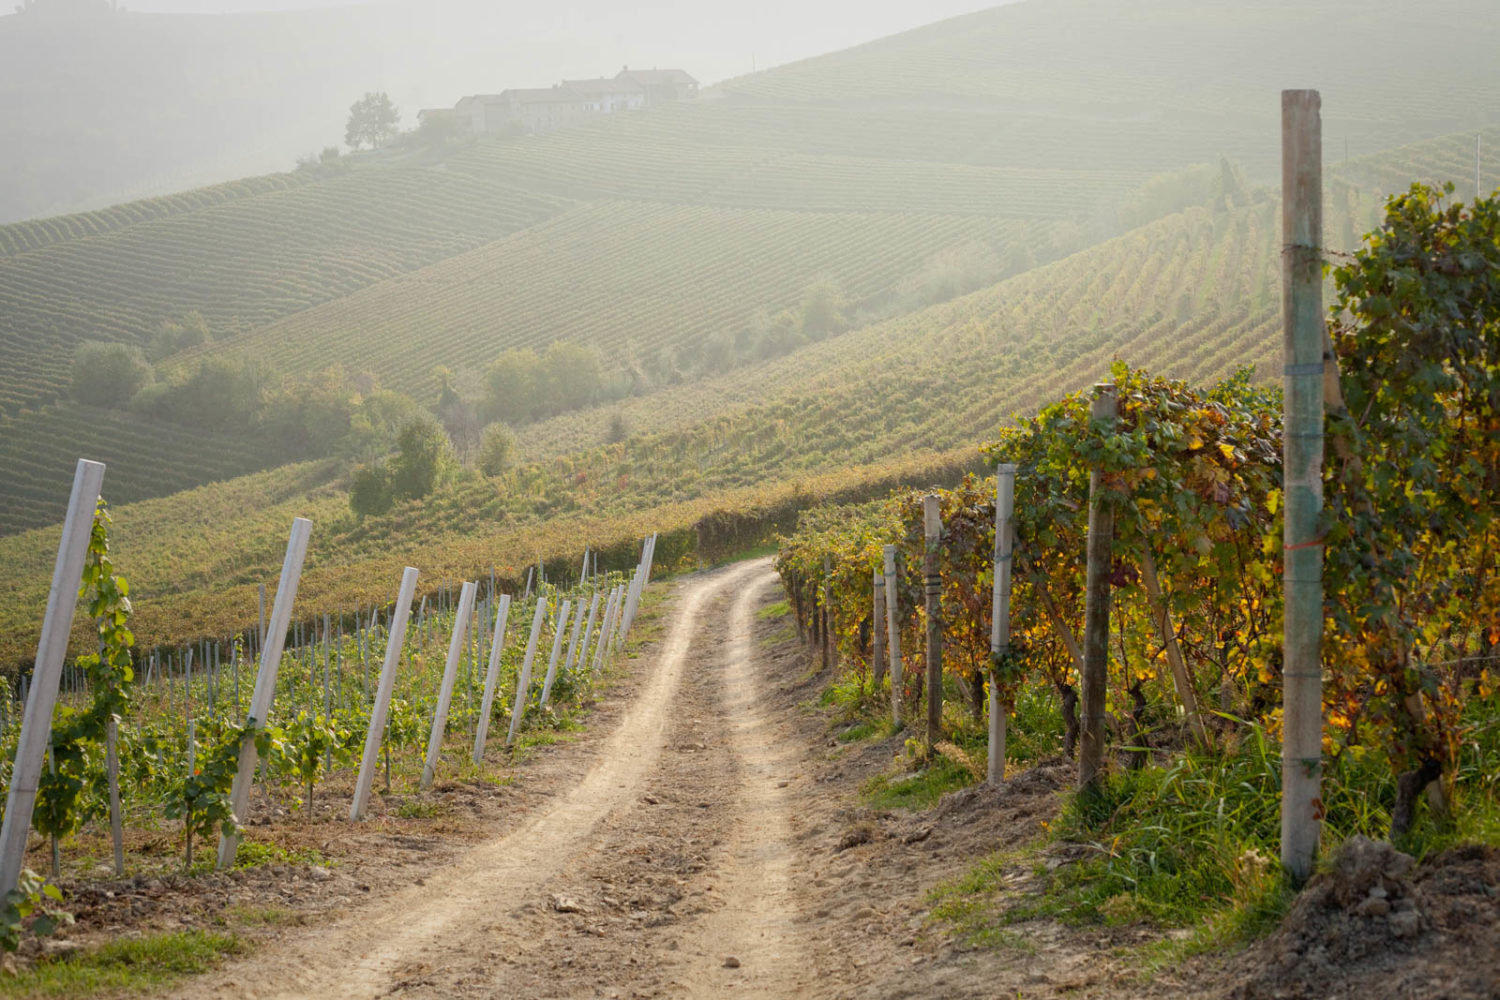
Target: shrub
[(424, 457), (108, 374), (497, 451), (370, 490)]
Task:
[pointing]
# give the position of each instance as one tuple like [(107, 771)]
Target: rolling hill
[(650, 233)]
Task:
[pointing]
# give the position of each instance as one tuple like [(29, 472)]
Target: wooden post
[(827, 644), (1000, 708), (491, 678), (877, 630), (932, 531), (450, 674), (387, 683), (265, 678), (1175, 660), (523, 682), (1302, 460), (1104, 408), (557, 641), (893, 630), (52, 649)]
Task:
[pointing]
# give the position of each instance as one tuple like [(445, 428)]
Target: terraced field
[(1436, 161), (646, 233), (242, 261), (629, 277), (38, 452), (18, 237), (1194, 294)]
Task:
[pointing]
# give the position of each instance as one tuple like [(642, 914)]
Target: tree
[(370, 490), (498, 450), (422, 460), (220, 394), (822, 310), (572, 377), (373, 119), (178, 335), (458, 417), (108, 374), (309, 416), (375, 426), (510, 386), (439, 131)]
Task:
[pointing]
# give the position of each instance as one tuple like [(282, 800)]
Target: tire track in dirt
[(755, 927), (446, 920)]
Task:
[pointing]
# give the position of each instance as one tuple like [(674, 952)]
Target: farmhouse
[(543, 109), (662, 85), (605, 96)]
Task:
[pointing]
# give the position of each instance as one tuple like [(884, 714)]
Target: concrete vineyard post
[(633, 595), (601, 647), (893, 631), (573, 642), (602, 640), (638, 586), (616, 626), (877, 630), (491, 677), (523, 682), (112, 772), (450, 674), (265, 678), (557, 642), (383, 689), (588, 631), (932, 531), (1005, 503), (1163, 616), (1302, 460), (1104, 408), (52, 648)]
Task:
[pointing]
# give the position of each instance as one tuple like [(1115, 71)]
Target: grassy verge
[(1189, 845), (1192, 844), (137, 965)]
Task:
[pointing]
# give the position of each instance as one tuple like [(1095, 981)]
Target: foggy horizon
[(719, 45)]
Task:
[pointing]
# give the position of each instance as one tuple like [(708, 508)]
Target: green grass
[(1194, 844), (253, 854), (421, 809), (773, 611), (249, 915), (136, 965), (917, 790), (965, 905)]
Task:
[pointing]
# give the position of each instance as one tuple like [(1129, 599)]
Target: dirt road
[(705, 839), (659, 812)]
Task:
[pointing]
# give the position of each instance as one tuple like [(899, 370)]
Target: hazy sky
[(713, 40)]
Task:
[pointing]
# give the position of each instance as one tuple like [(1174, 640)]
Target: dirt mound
[(1378, 925)]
